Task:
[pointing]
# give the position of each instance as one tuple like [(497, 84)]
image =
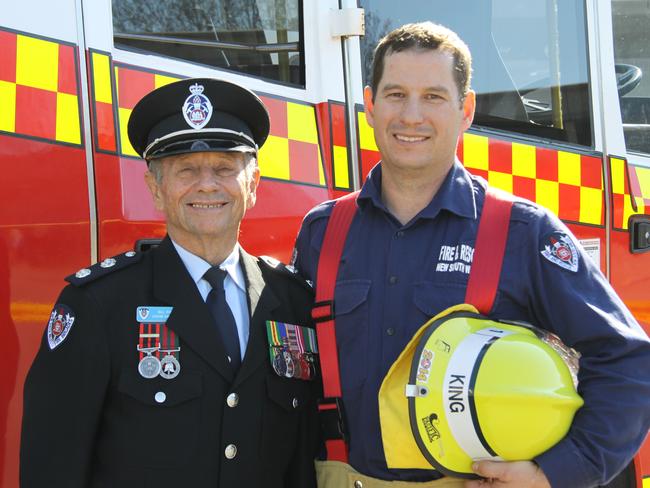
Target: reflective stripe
[(458, 398)]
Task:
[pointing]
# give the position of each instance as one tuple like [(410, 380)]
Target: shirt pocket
[(352, 334), (160, 412), (432, 298)]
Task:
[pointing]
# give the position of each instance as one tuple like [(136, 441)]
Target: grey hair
[(250, 163)]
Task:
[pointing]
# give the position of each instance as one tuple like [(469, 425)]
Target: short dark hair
[(425, 36)]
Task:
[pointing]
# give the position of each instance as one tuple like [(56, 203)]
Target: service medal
[(289, 373), (149, 367), (305, 368), (297, 365), (169, 367), (158, 345), (278, 363), (292, 349)]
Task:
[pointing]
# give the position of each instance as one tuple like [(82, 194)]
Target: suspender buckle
[(332, 419), (323, 311)]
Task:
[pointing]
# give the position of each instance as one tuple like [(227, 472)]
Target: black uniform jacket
[(91, 420)]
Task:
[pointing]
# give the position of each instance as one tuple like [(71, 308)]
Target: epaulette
[(107, 266), (285, 269)]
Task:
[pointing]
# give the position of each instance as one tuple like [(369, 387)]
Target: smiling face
[(204, 196), (417, 113)]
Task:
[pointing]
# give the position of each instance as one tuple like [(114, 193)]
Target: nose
[(411, 113), (208, 180)]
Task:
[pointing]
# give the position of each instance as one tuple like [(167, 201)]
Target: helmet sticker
[(430, 422), (59, 325), (559, 249), (197, 108)]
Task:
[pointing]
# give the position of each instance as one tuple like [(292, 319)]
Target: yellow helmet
[(468, 388)]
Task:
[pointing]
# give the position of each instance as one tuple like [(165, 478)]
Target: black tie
[(223, 315)]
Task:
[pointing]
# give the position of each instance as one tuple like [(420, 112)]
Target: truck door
[(630, 155)]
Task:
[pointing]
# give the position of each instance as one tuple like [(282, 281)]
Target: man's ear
[(469, 106), (154, 188), (369, 105), (252, 188)]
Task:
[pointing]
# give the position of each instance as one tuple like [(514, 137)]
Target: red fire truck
[(563, 119)]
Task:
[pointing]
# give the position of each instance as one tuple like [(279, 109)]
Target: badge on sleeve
[(58, 328), (292, 350), (559, 249)]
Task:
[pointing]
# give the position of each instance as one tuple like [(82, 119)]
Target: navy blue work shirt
[(393, 278)]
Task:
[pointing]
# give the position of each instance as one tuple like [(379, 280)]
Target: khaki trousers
[(335, 474)]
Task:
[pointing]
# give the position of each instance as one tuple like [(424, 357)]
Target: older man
[(155, 368)]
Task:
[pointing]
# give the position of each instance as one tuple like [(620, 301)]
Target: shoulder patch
[(107, 266), (559, 249), (59, 325), (285, 269)]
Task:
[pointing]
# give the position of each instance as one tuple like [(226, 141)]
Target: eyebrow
[(435, 88)]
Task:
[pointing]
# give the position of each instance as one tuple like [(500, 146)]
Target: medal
[(170, 367), (158, 345), (279, 365), (292, 349), (289, 362), (149, 366), (297, 366)]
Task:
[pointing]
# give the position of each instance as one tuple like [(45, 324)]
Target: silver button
[(107, 263), (390, 331), (295, 403), (82, 273), (231, 451), (358, 484), (232, 400), (392, 280), (160, 397)]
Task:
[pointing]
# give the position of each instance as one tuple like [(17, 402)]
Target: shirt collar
[(197, 266), (456, 194)]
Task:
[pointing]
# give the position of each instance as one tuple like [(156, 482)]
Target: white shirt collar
[(197, 266)]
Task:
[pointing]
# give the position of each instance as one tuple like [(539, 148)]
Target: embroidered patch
[(58, 328), (197, 108), (455, 259), (559, 249)]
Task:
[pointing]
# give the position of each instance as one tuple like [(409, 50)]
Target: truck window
[(632, 56), (530, 59), (262, 38)]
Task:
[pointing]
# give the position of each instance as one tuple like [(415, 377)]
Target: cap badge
[(197, 108)]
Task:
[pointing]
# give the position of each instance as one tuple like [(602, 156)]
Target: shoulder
[(280, 271), (320, 212), (523, 210), (104, 268)]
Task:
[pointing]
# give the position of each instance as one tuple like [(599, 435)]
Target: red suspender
[(488, 253), (481, 290), (323, 314)]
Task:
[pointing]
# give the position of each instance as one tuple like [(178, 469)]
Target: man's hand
[(516, 474)]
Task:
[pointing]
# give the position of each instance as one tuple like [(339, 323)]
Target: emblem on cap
[(197, 108)]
